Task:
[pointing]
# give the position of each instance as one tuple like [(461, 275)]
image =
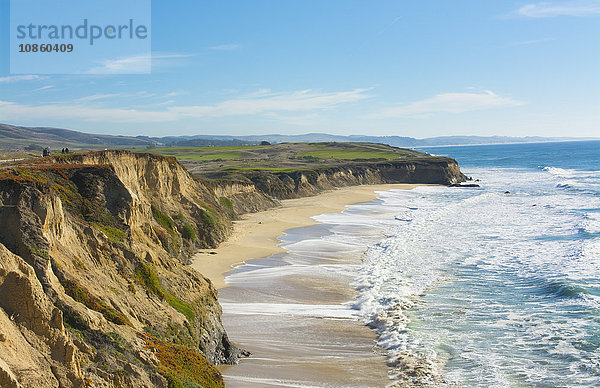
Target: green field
[(349, 155), (284, 157)]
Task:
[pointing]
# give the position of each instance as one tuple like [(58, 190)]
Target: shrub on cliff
[(183, 366)]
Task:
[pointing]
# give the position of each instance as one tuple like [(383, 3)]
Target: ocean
[(496, 286), (500, 285)]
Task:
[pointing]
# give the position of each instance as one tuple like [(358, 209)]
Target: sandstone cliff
[(306, 182), (94, 286), (93, 283)]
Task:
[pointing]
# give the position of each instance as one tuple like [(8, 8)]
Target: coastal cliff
[(93, 276), (94, 247), (307, 182)]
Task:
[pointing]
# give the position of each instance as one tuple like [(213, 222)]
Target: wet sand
[(255, 235), (287, 307)]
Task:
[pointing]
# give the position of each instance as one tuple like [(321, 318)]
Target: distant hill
[(396, 141), (14, 137)]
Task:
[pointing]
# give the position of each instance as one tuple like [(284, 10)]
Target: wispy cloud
[(12, 111), (451, 103), (267, 101), (112, 96), (563, 8), (136, 63), (226, 47), (396, 20), (43, 88), (133, 64), (95, 97), (17, 78), (262, 102), (530, 41)]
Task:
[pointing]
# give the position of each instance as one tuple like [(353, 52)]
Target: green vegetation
[(217, 156), (38, 252), (226, 202), (183, 366), (181, 306), (163, 220), (207, 218), (202, 153), (241, 163), (115, 235), (188, 232), (349, 154), (175, 150), (82, 296), (147, 277), (77, 186)]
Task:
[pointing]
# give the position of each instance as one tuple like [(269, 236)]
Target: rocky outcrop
[(241, 197), (35, 348), (93, 274)]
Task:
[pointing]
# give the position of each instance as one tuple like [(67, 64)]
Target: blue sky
[(408, 68)]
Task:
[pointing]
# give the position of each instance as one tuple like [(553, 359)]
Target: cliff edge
[(95, 290), (93, 276)]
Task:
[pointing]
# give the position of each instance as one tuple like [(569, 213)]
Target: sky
[(379, 67)]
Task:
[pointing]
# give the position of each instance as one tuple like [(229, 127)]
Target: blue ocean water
[(497, 286)]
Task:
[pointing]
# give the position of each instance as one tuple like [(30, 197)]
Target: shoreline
[(256, 235), (287, 305)]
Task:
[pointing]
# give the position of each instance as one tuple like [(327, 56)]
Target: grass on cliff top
[(284, 157), (348, 151), (202, 153), (349, 154)]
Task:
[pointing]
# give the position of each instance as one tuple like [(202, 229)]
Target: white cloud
[(141, 64), (17, 78), (43, 88), (451, 103), (263, 102), (133, 64), (226, 47), (564, 8), (531, 41), (112, 96), (267, 101), (12, 112), (95, 97)]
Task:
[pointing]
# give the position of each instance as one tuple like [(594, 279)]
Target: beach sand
[(288, 321), (255, 235)]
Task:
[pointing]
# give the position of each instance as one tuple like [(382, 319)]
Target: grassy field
[(345, 151), (282, 157)]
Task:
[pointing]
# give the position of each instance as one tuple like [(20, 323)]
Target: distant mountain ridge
[(18, 137)]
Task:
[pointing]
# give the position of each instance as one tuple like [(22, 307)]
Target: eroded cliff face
[(94, 286), (301, 183)]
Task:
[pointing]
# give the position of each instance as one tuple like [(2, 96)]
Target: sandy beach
[(255, 235), (289, 321)]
